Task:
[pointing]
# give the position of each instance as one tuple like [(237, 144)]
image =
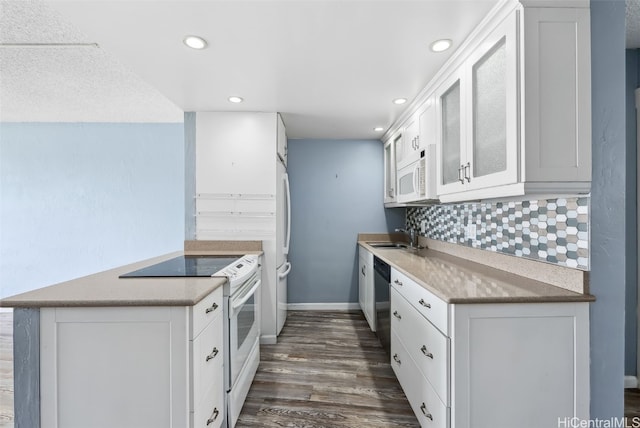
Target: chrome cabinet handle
[(398, 282), (397, 315), (425, 352), (214, 416), (424, 412), (425, 304), (396, 359), (467, 167), (363, 271), (212, 308), (461, 174), (391, 192), (212, 355)]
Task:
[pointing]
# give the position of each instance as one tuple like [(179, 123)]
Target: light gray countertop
[(106, 289), (456, 280)]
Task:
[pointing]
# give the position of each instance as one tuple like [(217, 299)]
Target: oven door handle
[(247, 295)]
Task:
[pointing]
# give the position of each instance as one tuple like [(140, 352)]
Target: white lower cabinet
[(366, 292), (146, 366), (489, 365)]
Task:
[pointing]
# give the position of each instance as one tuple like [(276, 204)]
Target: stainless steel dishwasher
[(382, 282)]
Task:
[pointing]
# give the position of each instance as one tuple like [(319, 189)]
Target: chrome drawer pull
[(425, 304), (397, 315), (396, 359), (212, 355), (214, 416), (363, 271), (424, 411), (398, 282), (425, 352), (212, 308)]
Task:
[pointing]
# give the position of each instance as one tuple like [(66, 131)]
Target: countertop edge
[(191, 290), (563, 295)]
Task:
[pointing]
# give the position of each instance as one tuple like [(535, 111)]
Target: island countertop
[(456, 280), (107, 289)]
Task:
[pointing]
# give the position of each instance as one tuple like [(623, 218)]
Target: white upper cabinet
[(512, 107), (477, 108), (409, 151), (524, 110)]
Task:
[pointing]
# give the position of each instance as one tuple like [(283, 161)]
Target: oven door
[(244, 325)]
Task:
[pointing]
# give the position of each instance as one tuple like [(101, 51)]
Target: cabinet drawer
[(207, 357), (430, 306), (205, 311), (430, 411), (209, 412), (428, 347)]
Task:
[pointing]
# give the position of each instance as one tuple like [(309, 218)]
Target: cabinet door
[(399, 148), (427, 139), (493, 127), (362, 289), (114, 367), (450, 150), (366, 295), (410, 141), (389, 171)]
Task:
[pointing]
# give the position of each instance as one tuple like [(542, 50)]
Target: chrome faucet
[(413, 236)]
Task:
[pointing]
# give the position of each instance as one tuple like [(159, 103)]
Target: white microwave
[(414, 181)]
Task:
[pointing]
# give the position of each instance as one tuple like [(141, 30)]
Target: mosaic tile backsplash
[(550, 230)]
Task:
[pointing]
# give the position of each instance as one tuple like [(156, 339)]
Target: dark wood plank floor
[(327, 370), (632, 403)]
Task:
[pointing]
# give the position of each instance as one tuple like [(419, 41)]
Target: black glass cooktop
[(183, 266)]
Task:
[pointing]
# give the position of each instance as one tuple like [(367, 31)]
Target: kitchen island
[(104, 351)]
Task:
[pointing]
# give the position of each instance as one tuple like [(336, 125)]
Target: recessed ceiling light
[(235, 99), (400, 101), (440, 45), (378, 129), (195, 42)]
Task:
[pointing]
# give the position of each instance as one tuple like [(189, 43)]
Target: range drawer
[(207, 358), (430, 306), (428, 347), (430, 411), (205, 311)]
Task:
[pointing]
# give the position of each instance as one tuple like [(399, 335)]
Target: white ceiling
[(331, 67), (67, 83)]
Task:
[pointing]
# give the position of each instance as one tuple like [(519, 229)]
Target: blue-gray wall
[(78, 198), (608, 225), (631, 329), (336, 193)]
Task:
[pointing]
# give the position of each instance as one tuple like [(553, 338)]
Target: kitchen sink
[(388, 244)]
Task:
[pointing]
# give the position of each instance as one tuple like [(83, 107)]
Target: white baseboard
[(323, 306), (630, 381), (268, 340)]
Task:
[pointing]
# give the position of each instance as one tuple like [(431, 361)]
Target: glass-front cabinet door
[(493, 129), (451, 148), (389, 171)]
